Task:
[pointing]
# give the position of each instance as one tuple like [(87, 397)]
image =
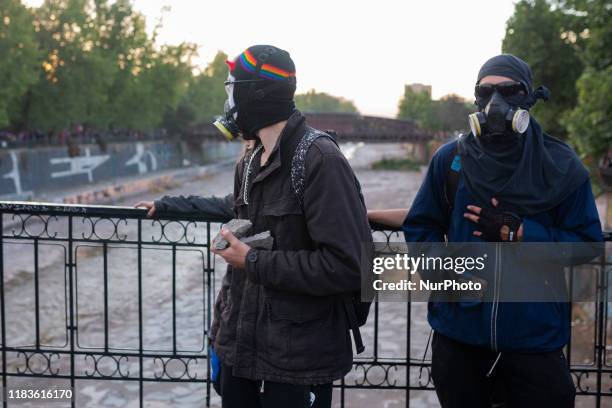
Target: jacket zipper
[(247, 174)]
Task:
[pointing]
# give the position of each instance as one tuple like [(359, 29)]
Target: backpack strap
[(350, 308), (298, 163), (298, 182), (452, 180)]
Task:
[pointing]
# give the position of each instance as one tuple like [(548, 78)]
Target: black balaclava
[(266, 95), (528, 173)]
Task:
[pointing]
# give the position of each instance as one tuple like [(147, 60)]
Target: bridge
[(351, 127), (29, 169)]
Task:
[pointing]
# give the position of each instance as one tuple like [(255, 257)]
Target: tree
[(590, 122), (100, 68), (151, 80), (75, 75), (20, 58), (451, 113), (539, 34), (417, 106), (313, 101), (204, 98)]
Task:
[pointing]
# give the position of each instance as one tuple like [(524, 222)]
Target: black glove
[(491, 221)]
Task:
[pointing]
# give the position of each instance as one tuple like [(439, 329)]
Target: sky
[(363, 51)]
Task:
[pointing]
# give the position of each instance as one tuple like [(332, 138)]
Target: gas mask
[(499, 110), (227, 123)]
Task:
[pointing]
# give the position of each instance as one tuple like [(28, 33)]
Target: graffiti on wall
[(25, 172), (79, 165), (28, 172), (14, 176)]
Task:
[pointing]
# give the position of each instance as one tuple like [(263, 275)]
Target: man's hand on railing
[(149, 205), (392, 218), (235, 254)]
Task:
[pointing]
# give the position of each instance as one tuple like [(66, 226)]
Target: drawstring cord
[(490, 373), (424, 355), (261, 387), (311, 397)]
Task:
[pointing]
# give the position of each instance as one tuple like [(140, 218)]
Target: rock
[(238, 227), (263, 240)]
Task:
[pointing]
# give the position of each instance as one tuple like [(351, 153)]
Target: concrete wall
[(26, 173)]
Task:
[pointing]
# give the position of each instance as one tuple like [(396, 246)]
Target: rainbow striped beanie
[(277, 66)]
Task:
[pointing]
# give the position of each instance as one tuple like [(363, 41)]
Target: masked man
[(513, 182), (281, 321)]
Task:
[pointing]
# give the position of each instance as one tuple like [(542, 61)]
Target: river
[(382, 189)]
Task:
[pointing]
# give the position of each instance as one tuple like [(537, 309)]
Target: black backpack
[(357, 311)]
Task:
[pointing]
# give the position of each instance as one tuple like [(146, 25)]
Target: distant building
[(418, 88)]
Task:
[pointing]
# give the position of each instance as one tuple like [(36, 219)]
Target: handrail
[(25, 207)]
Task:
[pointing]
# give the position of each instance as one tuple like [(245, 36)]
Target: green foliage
[(537, 34), (88, 62), (590, 123), (93, 63), (19, 55), (396, 164), (75, 76), (204, 98), (417, 106), (590, 23), (313, 101), (567, 44), (449, 113)]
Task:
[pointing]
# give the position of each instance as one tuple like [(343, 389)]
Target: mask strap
[(230, 113), (540, 92), (261, 59), (261, 93)]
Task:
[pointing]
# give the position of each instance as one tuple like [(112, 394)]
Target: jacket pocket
[(285, 220), (283, 206), (298, 309), (532, 326), (301, 332)]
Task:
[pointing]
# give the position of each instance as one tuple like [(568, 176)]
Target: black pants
[(239, 392), (518, 380)]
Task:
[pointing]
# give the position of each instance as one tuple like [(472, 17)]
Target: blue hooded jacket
[(509, 326)]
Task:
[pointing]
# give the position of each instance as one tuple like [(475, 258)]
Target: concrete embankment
[(91, 173)]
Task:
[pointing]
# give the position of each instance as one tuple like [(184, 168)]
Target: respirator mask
[(228, 122), (500, 111)]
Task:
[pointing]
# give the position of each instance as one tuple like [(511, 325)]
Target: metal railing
[(92, 294)]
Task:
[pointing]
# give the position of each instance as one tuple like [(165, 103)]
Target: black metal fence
[(102, 301)]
